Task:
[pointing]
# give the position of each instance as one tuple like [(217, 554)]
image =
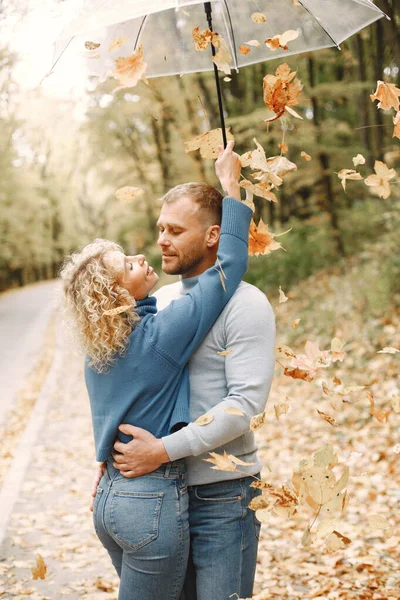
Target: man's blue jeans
[(224, 536), (143, 523)]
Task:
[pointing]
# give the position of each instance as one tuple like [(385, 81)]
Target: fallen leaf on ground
[(39, 572), (380, 415)]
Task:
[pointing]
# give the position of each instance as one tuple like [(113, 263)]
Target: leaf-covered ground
[(52, 517)]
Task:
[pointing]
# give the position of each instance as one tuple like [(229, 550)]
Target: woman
[(135, 373)]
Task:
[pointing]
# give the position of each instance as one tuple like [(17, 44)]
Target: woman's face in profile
[(133, 273)]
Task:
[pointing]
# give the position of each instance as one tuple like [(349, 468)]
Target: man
[(233, 367)]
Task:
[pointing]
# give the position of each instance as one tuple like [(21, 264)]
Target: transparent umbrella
[(105, 30)]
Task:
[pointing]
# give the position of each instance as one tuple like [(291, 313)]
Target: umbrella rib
[(140, 31), (232, 34), (302, 3)]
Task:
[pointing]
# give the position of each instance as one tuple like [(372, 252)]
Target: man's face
[(182, 237)]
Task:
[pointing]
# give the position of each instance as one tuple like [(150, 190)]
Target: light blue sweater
[(148, 385)]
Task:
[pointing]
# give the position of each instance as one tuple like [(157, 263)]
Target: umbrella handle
[(207, 8)]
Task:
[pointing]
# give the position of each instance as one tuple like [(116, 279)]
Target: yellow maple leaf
[(222, 58), (261, 241), (225, 461), (281, 90), (388, 96), (379, 183)]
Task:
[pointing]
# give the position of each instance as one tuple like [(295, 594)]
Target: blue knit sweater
[(148, 386)]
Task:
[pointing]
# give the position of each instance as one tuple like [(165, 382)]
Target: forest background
[(59, 174)]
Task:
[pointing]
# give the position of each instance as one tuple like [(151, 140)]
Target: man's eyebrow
[(169, 224)]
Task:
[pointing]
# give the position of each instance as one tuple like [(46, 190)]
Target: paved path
[(24, 315)]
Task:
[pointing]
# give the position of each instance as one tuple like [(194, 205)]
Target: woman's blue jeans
[(143, 523)]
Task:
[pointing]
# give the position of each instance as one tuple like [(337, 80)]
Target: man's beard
[(184, 263)]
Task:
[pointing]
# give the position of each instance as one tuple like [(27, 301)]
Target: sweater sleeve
[(249, 368), (178, 330)]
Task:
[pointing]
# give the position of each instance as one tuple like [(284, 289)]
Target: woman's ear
[(212, 237)]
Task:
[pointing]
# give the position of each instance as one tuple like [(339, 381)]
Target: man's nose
[(163, 240)]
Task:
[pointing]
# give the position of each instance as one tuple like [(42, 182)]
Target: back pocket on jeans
[(135, 517)]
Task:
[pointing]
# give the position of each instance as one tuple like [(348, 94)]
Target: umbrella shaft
[(207, 8)]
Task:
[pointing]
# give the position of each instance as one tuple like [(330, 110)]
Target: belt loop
[(167, 469)]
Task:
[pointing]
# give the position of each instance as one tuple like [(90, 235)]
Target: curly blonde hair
[(103, 311)]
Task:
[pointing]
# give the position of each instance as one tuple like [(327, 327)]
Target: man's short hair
[(208, 198)]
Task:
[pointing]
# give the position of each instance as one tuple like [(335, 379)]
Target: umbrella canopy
[(106, 30)]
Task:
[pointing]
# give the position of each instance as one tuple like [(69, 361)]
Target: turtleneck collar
[(189, 283), (146, 306)]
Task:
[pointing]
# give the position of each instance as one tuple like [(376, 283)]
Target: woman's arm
[(178, 330)]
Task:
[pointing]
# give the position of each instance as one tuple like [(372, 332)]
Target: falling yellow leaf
[(222, 58), (358, 160), (281, 90), (282, 296), (284, 147), (388, 96), (257, 421), (306, 156), (261, 241), (117, 43), (128, 193), (259, 189), (379, 183), (224, 352), (208, 143), (336, 541), (388, 350), (227, 79), (225, 461), (92, 45), (281, 41), (281, 409), (346, 174), (130, 69), (258, 17), (244, 50), (231, 410), (39, 572), (298, 374), (296, 323), (201, 39), (396, 123), (254, 43), (205, 419)]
